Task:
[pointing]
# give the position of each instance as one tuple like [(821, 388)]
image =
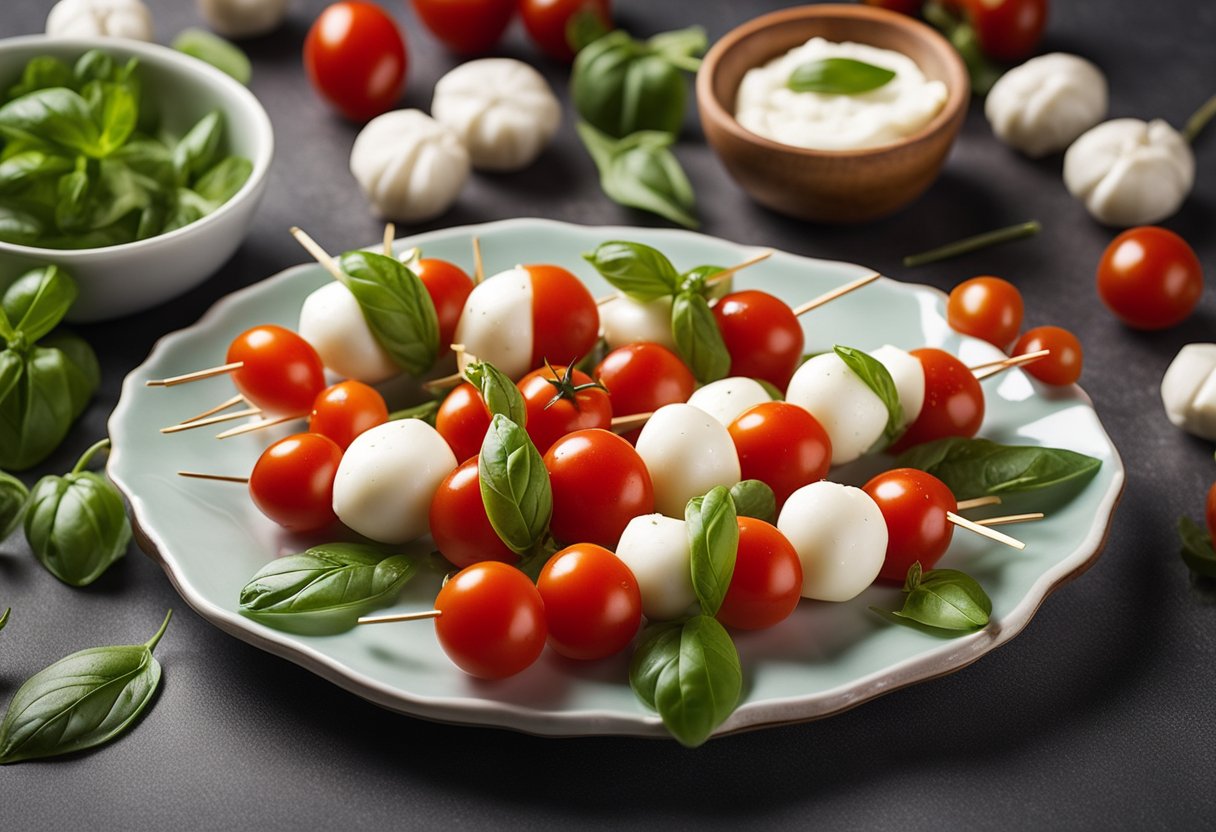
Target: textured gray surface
[(1100, 714)]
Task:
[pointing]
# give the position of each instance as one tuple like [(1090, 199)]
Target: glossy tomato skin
[(449, 287), (954, 402), (459, 525), (1150, 278), (343, 411), (467, 27), (565, 319), (908, 7), (1210, 511), (1063, 366), (599, 484), (781, 445), (593, 606), (282, 373), (462, 420), (767, 581), (914, 506), (762, 335), (356, 59), (292, 482), (546, 22), (492, 620), (550, 420), (643, 377), (1008, 30), (987, 308)]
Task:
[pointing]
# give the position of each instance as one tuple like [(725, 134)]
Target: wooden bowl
[(842, 186)]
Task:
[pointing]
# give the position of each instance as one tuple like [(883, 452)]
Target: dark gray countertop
[(1099, 714)]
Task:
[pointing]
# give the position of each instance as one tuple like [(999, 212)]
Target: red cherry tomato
[(1210, 510), (467, 27), (593, 606), (343, 411), (914, 504), (1008, 30), (449, 287), (599, 485), (565, 319), (282, 373), (767, 581), (492, 620), (462, 420), (908, 7), (547, 22), (356, 59), (782, 445), (559, 403), (643, 377), (954, 402), (1063, 366), (459, 526), (762, 335), (292, 482), (987, 308), (1150, 278)]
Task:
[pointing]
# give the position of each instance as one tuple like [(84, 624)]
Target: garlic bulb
[(243, 18), (100, 18), (1042, 106)]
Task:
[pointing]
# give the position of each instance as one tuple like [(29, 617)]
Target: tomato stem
[(565, 386), (1199, 120), (970, 244)]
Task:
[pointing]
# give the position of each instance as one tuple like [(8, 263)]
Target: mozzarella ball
[(655, 548), (909, 376), (387, 478), (243, 18), (687, 452), (1188, 390), (848, 409), (727, 398), (496, 324), (100, 18), (626, 321), (502, 109), (840, 536), (410, 167), (1042, 106), (332, 321)]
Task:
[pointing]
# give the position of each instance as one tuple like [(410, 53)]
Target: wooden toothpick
[(977, 502), (401, 616), (211, 411), (252, 426), (838, 292), (216, 477), (213, 420), (984, 531), (390, 231), (479, 270), (197, 375), (991, 368)]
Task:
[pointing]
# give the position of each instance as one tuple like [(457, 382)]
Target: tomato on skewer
[(280, 373)]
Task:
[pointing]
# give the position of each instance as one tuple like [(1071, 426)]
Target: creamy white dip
[(899, 108)]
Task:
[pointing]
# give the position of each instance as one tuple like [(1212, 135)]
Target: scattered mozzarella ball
[(849, 411), (840, 536), (909, 376), (387, 478), (243, 18), (502, 109), (655, 548), (626, 321), (1043, 105), (496, 325), (100, 18), (687, 452), (727, 398), (1188, 390), (332, 321), (409, 166)]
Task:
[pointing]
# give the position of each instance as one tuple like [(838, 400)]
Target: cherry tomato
[(599, 485), (987, 308), (954, 402), (467, 27), (292, 482), (565, 319), (343, 411), (459, 526), (462, 420), (908, 7), (1063, 366), (643, 377), (282, 373), (762, 335), (782, 445), (914, 504), (1008, 30), (593, 606), (1150, 278), (1210, 511), (449, 287), (767, 581), (561, 400), (492, 620), (356, 59), (547, 22)]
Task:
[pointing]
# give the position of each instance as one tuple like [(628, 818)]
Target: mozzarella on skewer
[(626, 321), (496, 325), (727, 398), (687, 452), (840, 536), (332, 321), (655, 548), (909, 377), (848, 409)]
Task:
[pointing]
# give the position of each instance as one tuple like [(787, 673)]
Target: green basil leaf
[(13, 498), (398, 309), (697, 280), (697, 338), (81, 371), (689, 672), (185, 207), (774, 392), (36, 301), (37, 412), (713, 542), (839, 76), (4, 618), (12, 364), (584, 27), (117, 194), (22, 168), (94, 65), (681, 47), (425, 411), (754, 498), (40, 73), (1197, 551), (498, 391), (197, 150), (82, 700), (515, 486), (116, 113), (324, 590), (212, 49), (72, 207), (148, 158), (945, 599), (641, 172), (222, 182), (637, 270), (622, 86), (19, 226), (978, 467), (55, 116), (878, 378)]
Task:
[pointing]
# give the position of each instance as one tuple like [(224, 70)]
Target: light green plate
[(823, 659)]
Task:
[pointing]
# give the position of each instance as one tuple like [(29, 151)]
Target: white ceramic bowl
[(118, 280)]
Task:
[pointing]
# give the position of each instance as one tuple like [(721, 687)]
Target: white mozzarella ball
[(727, 398), (687, 452), (840, 536), (909, 376), (333, 323), (1042, 106), (655, 548), (626, 321), (1188, 390), (243, 18), (410, 167), (851, 413), (100, 18), (387, 478), (496, 324)]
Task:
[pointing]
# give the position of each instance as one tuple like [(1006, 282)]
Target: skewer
[(839, 291), (235, 400), (213, 420), (409, 256), (977, 502), (463, 360), (197, 375), (992, 368), (623, 424), (252, 426), (195, 475), (390, 231), (1010, 518), (400, 616), (319, 254), (479, 270), (991, 534)]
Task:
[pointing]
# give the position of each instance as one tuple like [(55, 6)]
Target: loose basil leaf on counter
[(698, 339), (397, 307), (878, 378), (689, 673), (754, 498), (978, 467), (82, 700), (945, 599), (197, 150), (499, 392), (640, 171), (4, 618), (324, 590), (713, 542), (212, 49), (1197, 551), (36, 302), (637, 270), (515, 487), (839, 76), (13, 498)]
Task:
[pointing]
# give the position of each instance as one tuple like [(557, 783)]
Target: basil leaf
[(878, 378), (622, 86), (117, 194), (839, 76), (80, 369), (212, 49), (71, 208), (37, 412), (697, 279), (149, 158), (697, 338), (116, 113), (40, 73), (398, 309), (1197, 552), (13, 498), (639, 271), (425, 411), (4, 618), (56, 116), (681, 47), (774, 392), (945, 599), (197, 149), (324, 590), (24, 167), (713, 542), (640, 171), (94, 65), (584, 27), (222, 182), (499, 392), (515, 486), (185, 207), (36, 301), (754, 498), (19, 226), (82, 700), (978, 467), (689, 672)]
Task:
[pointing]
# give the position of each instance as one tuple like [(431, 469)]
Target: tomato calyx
[(566, 388)]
